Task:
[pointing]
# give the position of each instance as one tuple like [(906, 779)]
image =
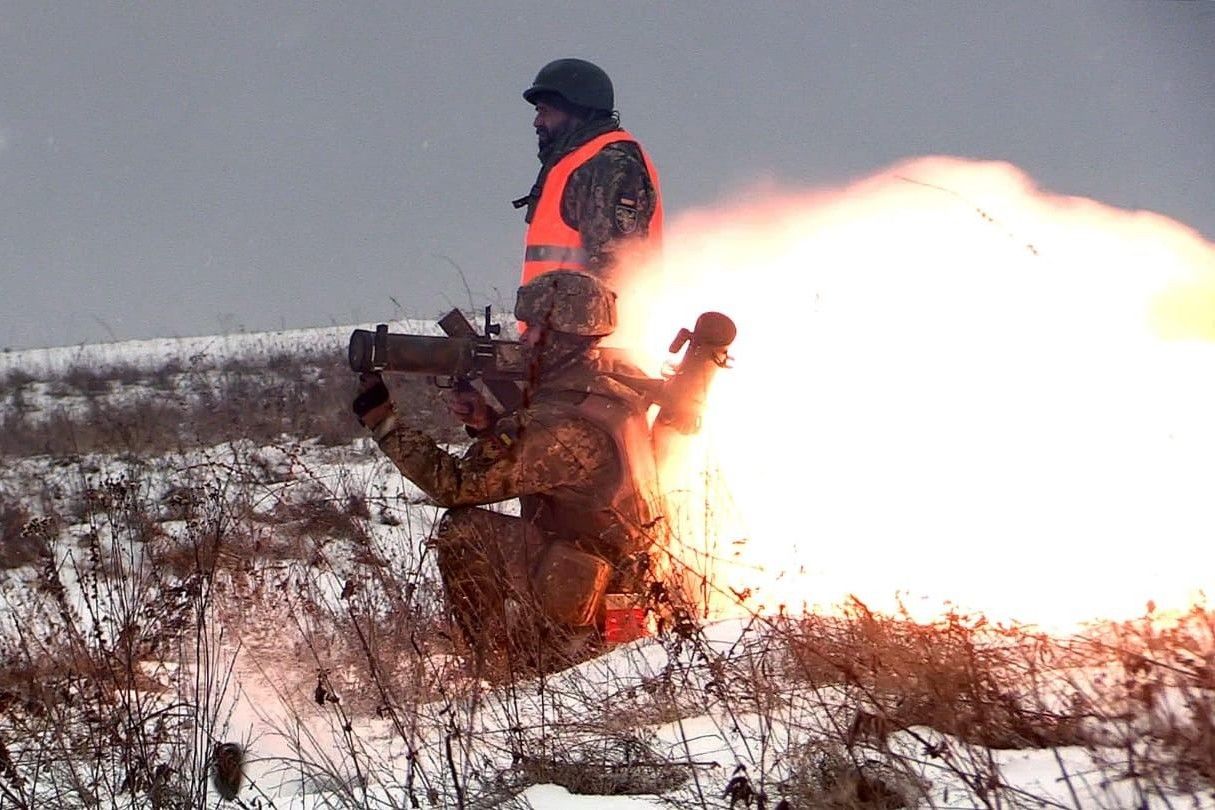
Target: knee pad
[(570, 584)]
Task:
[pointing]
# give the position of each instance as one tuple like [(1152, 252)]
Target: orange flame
[(951, 389)]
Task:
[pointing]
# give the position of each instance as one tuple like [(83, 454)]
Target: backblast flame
[(952, 390)]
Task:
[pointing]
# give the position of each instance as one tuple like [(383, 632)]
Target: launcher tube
[(436, 356)]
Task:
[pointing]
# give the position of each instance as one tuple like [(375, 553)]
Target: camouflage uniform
[(612, 183), (573, 457)]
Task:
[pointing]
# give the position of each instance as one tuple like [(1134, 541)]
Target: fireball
[(951, 390)]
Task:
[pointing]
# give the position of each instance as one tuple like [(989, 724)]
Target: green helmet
[(575, 80), (567, 301)]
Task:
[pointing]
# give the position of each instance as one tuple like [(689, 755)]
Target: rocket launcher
[(464, 355)]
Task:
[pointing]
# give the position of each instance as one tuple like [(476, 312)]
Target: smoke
[(951, 389)]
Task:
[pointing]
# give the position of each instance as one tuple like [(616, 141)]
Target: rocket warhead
[(682, 401)]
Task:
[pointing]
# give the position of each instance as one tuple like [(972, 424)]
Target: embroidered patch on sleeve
[(626, 216)]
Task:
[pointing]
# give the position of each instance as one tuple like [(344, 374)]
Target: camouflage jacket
[(615, 177), (563, 466)]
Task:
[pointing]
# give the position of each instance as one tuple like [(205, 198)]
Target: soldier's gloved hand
[(469, 406), (373, 404)]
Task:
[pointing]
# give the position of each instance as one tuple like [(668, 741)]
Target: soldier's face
[(550, 122), (533, 338), (539, 344)]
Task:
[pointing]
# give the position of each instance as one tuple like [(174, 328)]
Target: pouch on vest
[(570, 584)]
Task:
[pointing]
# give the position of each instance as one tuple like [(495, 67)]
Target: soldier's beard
[(550, 139), (543, 138)]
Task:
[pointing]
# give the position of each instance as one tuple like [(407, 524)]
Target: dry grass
[(622, 764), (824, 775), (850, 709), (979, 683), (93, 710), (21, 540), (124, 410)]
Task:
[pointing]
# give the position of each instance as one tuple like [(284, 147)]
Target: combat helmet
[(568, 301), (575, 80)]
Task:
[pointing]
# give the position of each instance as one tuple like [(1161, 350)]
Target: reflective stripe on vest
[(550, 244), (555, 253)]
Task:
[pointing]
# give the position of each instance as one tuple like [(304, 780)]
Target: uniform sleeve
[(530, 459), (610, 201)]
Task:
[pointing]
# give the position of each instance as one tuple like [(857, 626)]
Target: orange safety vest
[(550, 244)]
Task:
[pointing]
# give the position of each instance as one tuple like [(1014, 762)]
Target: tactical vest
[(617, 523), (551, 244)]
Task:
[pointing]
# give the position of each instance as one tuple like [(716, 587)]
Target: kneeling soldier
[(578, 457)]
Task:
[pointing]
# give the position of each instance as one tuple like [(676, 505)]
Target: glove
[(373, 404), (469, 406)]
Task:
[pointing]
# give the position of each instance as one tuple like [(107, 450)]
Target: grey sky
[(173, 168)]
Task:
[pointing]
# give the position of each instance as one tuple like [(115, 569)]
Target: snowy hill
[(210, 349), (200, 546)]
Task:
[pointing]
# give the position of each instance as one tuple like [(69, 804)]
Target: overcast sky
[(174, 169)]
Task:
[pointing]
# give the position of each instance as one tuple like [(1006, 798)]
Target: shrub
[(23, 539), (124, 410)]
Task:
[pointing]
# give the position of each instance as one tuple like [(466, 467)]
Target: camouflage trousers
[(506, 582)]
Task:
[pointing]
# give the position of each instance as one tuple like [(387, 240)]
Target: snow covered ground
[(185, 351), (706, 715)]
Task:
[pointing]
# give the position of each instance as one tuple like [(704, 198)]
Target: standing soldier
[(577, 455), (597, 192)]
